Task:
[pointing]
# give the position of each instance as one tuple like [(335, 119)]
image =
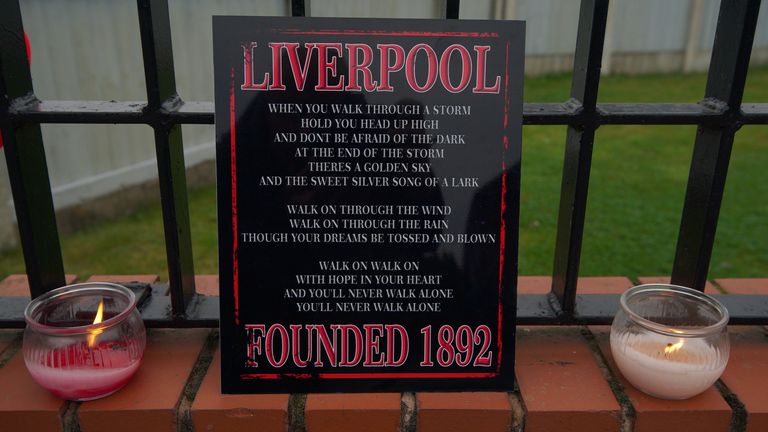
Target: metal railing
[(718, 116)]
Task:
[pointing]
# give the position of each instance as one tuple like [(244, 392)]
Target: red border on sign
[(502, 228), (390, 33), (398, 375), (233, 167)]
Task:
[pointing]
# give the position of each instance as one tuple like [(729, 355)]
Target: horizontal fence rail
[(718, 116), (568, 113)]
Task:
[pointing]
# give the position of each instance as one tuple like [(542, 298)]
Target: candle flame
[(673, 347), (96, 320)]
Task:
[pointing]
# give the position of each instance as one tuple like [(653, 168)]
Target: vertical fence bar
[(155, 26), (578, 152), (452, 9), (712, 150), (25, 157), (299, 8)]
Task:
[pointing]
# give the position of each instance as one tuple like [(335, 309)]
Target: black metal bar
[(155, 26), (712, 151), (661, 114), (594, 309), (157, 50), (754, 113), (578, 152), (299, 8), (452, 9), (25, 157), (116, 112)]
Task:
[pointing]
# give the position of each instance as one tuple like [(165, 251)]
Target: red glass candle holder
[(84, 341)]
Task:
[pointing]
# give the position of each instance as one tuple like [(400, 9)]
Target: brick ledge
[(567, 382)]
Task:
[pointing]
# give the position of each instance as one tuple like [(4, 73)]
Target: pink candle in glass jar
[(84, 341)]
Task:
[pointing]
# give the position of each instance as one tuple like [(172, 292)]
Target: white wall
[(650, 25)]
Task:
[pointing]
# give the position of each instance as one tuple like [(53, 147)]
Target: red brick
[(207, 285), (744, 286), (747, 374), (148, 402), (124, 278), (561, 383), (212, 411), (24, 405), (17, 285), (458, 412), (603, 285), (534, 284), (587, 285), (709, 287), (370, 412), (707, 412)]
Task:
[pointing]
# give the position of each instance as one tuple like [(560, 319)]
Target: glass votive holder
[(84, 341), (669, 341)]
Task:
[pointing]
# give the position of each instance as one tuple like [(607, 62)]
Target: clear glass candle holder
[(84, 341), (669, 341)]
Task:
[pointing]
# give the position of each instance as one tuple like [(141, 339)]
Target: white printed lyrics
[(371, 181), (310, 237), (368, 286)]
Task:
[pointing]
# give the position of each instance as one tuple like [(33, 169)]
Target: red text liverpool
[(350, 67)]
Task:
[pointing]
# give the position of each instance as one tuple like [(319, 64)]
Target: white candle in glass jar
[(666, 366)]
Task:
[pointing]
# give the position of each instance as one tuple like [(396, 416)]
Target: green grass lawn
[(635, 199)]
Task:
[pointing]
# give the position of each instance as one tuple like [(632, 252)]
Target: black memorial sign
[(368, 191)]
